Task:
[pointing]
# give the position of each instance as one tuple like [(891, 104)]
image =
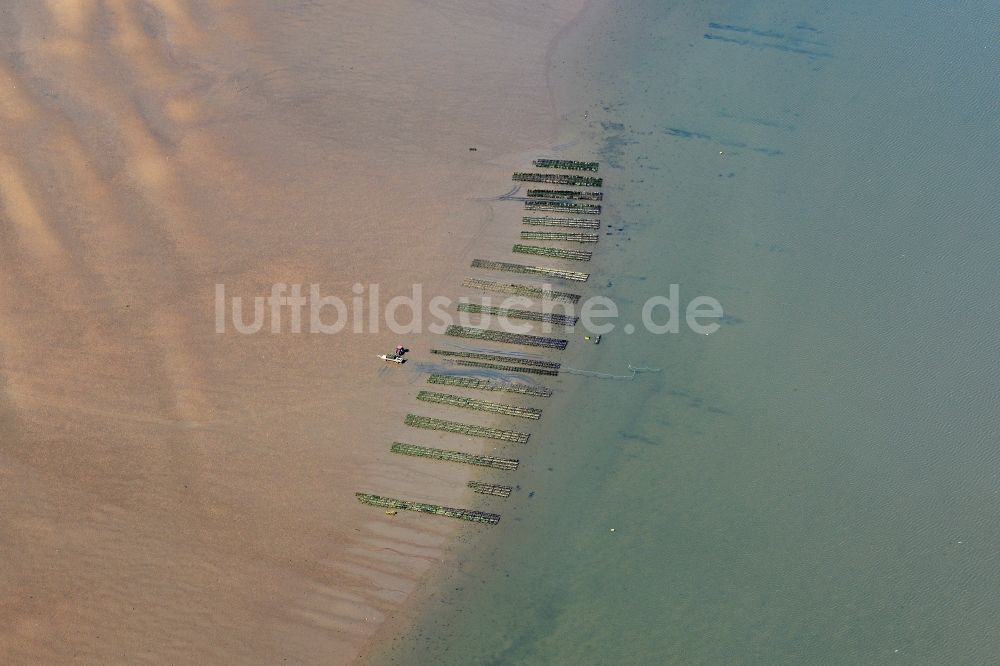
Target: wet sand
[(176, 495)]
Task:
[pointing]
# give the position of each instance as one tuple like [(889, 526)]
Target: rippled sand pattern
[(174, 495)]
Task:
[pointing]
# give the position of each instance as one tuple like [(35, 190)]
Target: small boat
[(392, 358)]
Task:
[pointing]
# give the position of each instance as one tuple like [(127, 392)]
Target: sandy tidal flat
[(171, 494)]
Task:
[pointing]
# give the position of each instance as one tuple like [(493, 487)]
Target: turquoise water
[(817, 482)]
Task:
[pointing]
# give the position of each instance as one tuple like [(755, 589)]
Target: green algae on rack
[(530, 270), (563, 206), (558, 179), (566, 194), (489, 385), (558, 253), (567, 222), (479, 405), (566, 236), (436, 509), (528, 315), (508, 464), (537, 362), (484, 488), (507, 368), (502, 336), (545, 163), (469, 429), (521, 290)]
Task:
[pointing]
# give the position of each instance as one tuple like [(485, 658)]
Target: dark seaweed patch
[(613, 150), (763, 45), (767, 34), (688, 134)]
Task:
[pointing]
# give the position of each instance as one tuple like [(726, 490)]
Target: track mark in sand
[(33, 230), (508, 195)]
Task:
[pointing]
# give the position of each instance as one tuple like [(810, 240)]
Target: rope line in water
[(604, 375)]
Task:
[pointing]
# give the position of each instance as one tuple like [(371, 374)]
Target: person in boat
[(400, 350)]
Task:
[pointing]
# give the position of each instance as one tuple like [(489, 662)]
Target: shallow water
[(816, 482)]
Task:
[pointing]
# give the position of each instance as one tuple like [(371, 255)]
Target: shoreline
[(408, 616), (492, 241), (797, 440)]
